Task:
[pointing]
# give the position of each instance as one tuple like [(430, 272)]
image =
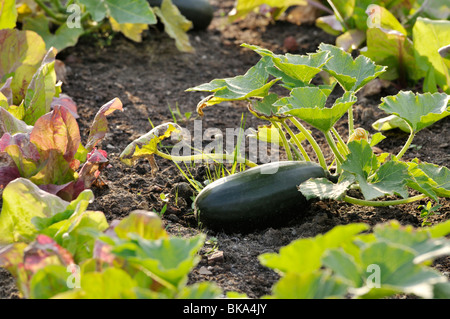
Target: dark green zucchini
[(200, 12), (250, 200)]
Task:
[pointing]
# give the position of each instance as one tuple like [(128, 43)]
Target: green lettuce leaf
[(429, 36), (22, 201), (394, 50)]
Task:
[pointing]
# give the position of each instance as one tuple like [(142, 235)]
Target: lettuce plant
[(66, 251), (50, 153), (74, 19), (348, 262)]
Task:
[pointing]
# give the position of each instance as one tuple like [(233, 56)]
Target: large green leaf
[(308, 104), (113, 283), (300, 67), (170, 259), (96, 9), (252, 84), (323, 188), (374, 180), (62, 38), (304, 255), (429, 36), (49, 281), (351, 74), (175, 25), (418, 110), (397, 271), (309, 285), (145, 224), (419, 240)]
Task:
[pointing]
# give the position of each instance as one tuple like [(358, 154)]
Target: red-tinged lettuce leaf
[(24, 153), (7, 92), (88, 174), (58, 131), (67, 102), (8, 170), (21, 55), (12, 125), (99, 127), (38, 254), (11, 259)]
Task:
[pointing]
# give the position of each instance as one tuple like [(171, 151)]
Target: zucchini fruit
[(252, 200), (200, 12)]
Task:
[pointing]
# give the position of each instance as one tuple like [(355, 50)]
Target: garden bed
[(151, 76)]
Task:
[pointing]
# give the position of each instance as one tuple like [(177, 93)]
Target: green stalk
[(341, 141), (311, 141), (59, 6), (228, 157), (362, 202), (285, 142), (407, 144), (50, 13), (351, 126), (333, 147), (297, 142)]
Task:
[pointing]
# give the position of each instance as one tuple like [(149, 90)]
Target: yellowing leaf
[(175, 25), (132, 31)]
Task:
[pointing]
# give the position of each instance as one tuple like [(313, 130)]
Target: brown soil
[(152, 75)]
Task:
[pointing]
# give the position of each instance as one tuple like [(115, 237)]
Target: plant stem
[(407, 144), (341, 141), (285, 142), (230, 158), (297, 142), (333, 147), (351, 126), (59, 6), (49, 12), (363, 202), (311, 141)]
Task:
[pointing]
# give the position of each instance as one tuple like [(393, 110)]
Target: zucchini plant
[(354, 165), (357, 166)]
